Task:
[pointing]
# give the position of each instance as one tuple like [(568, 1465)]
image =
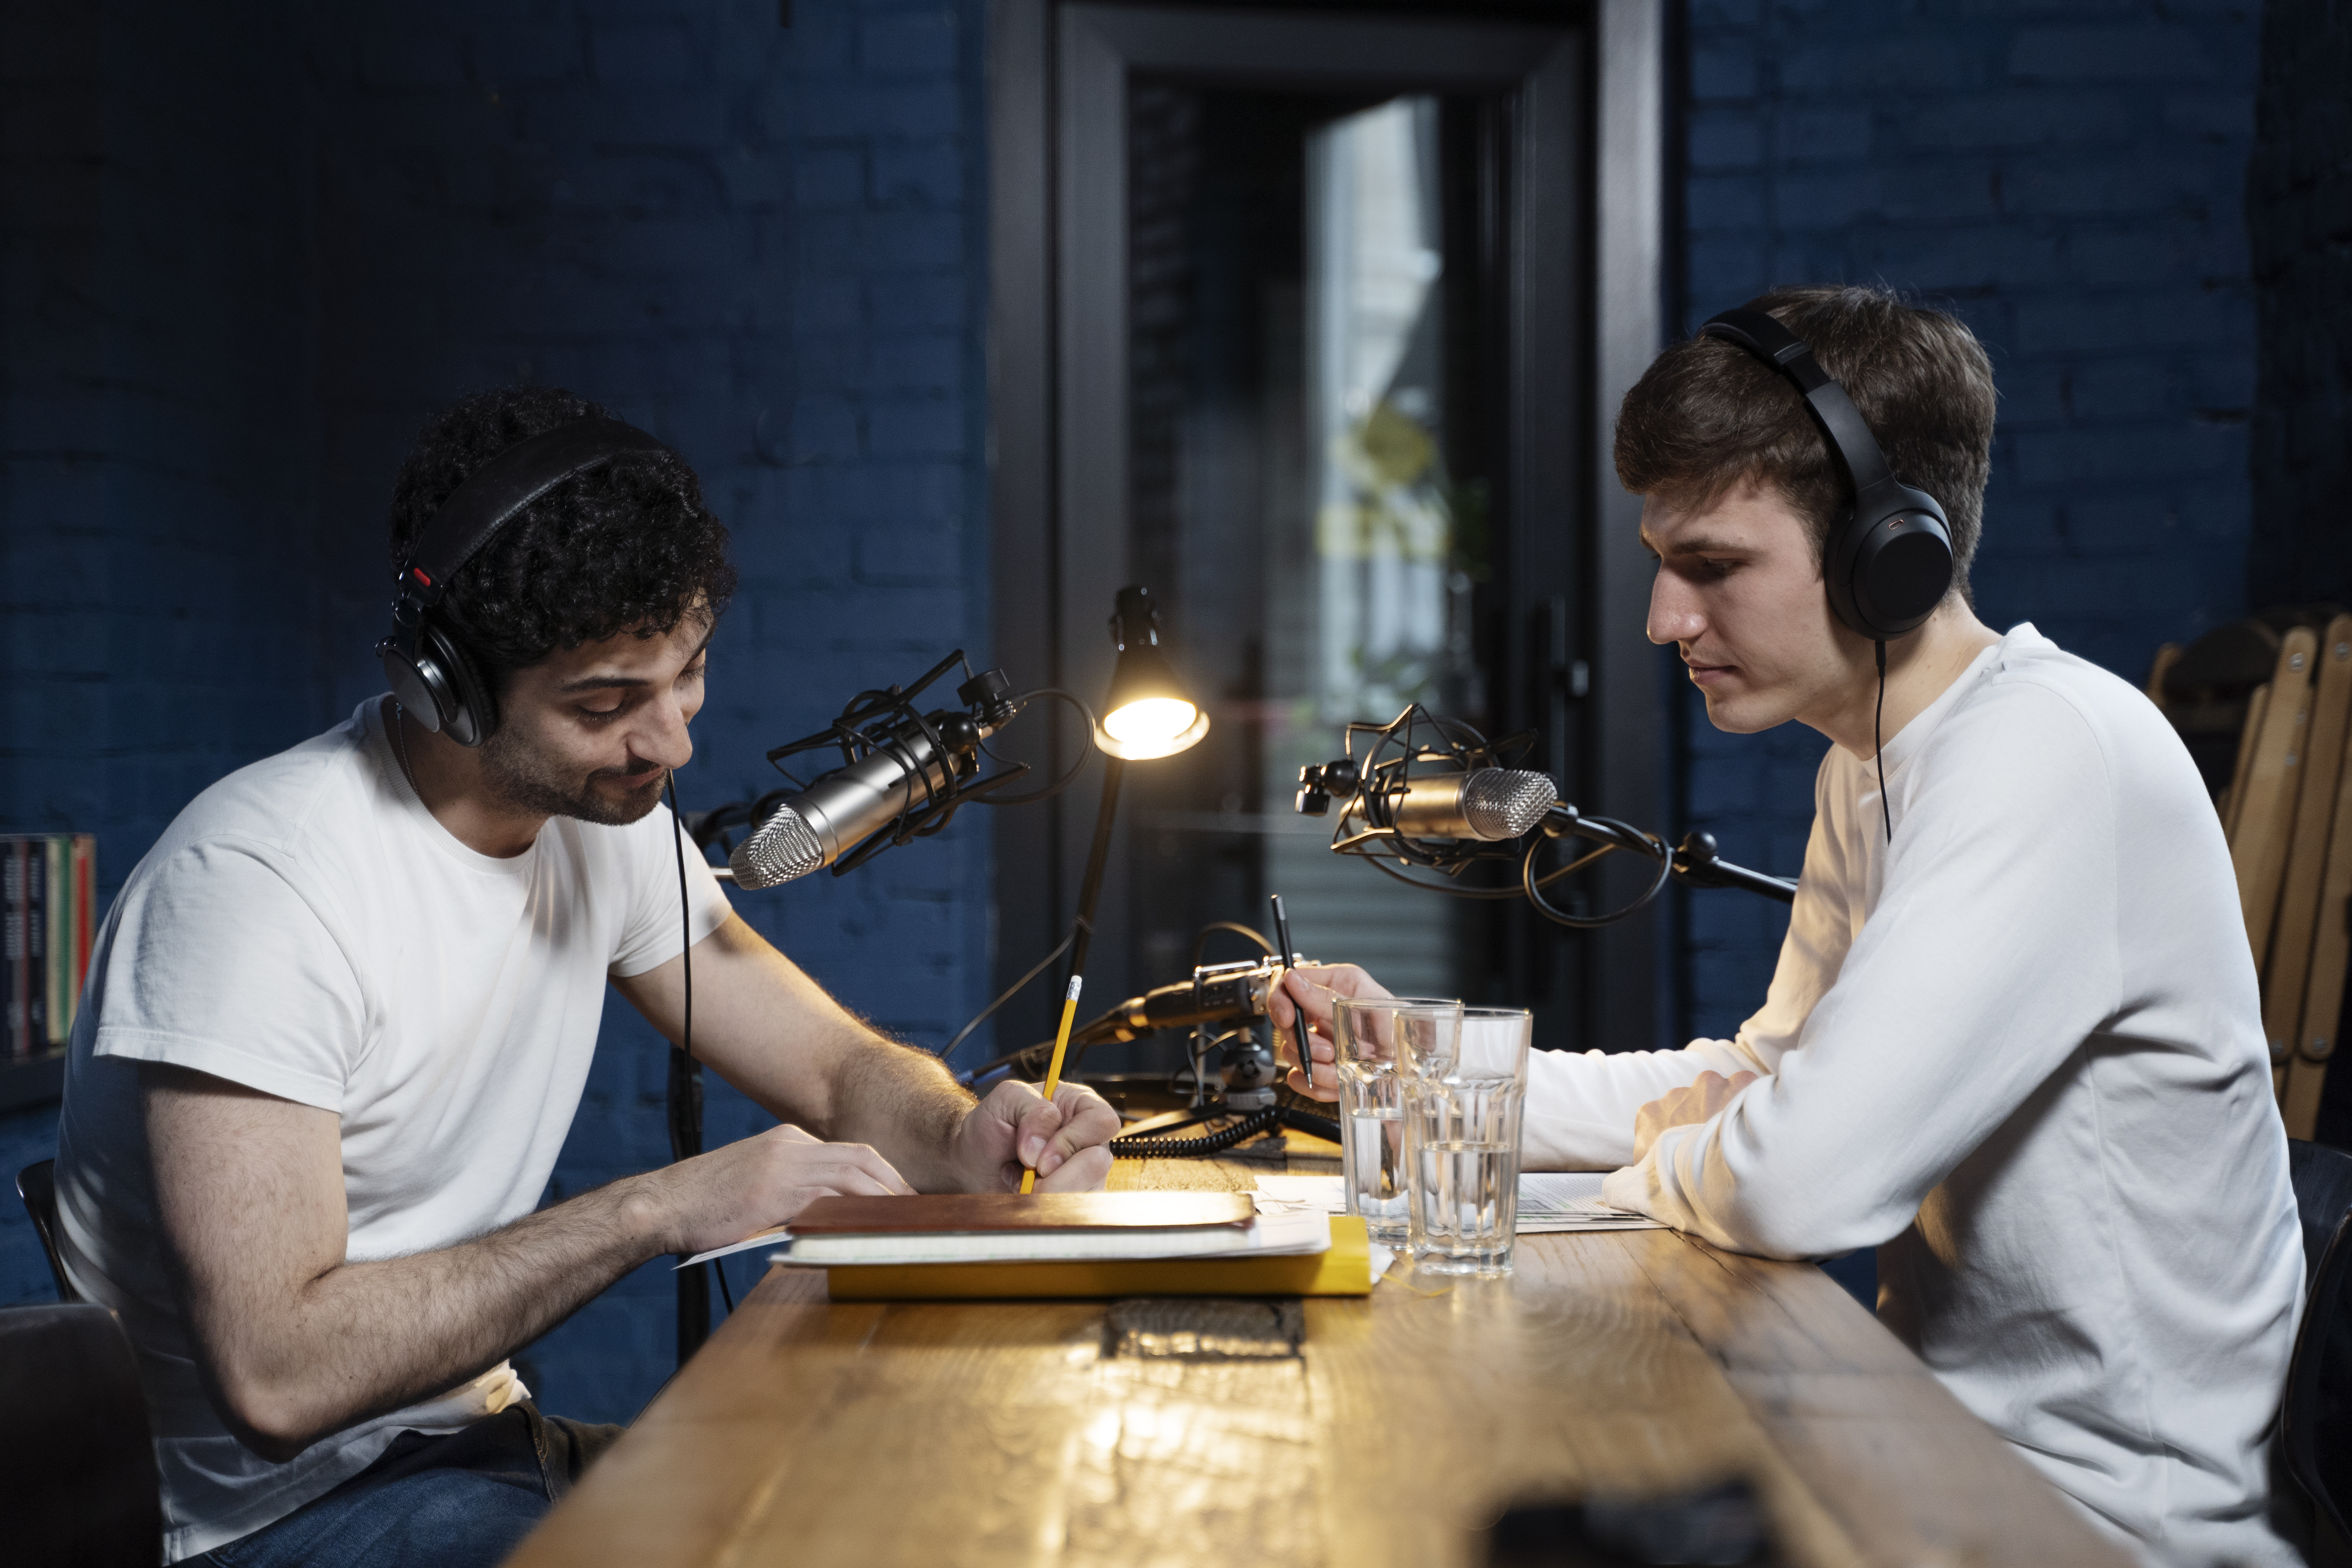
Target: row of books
[(49, 892)]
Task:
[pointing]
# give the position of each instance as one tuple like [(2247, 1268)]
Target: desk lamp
[(1147, 715)]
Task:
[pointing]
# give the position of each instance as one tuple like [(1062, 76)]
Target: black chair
[(2318, 1413), (36, 1183), (75, 1445)]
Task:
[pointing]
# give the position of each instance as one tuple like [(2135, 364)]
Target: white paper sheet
[(1277, 1233), (1551, 1203)]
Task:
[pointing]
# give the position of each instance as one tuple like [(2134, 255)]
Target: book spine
[(85, 860), (37, 944), (12, 943), (59, 851)]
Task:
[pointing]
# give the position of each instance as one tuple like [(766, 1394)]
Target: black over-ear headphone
[(428, 667), (1888, 562)]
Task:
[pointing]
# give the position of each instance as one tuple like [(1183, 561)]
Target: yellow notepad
[(1345, 1270)]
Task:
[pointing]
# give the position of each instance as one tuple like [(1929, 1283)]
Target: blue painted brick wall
[(249, 247), (155, 476), (762, 245), (2299, 214), (2069, 178), (248, 253)]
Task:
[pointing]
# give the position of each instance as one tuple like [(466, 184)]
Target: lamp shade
[(1149, 713)]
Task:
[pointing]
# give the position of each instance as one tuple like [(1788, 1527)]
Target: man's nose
[(1675, 615), (662, 737)]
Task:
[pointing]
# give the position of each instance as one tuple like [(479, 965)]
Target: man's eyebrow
[(622, 682), (1704, 544)]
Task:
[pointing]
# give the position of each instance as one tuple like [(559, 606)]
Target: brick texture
[(248, 253), (249, 247), (2299, 217), (2069, 179)]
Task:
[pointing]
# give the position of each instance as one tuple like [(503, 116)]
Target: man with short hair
[(2013, 1041), (341, 1015)]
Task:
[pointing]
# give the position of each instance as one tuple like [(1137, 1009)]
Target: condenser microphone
[(1484, 803), (813, 829), (1240, 991)]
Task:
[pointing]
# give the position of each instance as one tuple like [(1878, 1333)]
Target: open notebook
[(1012, 1229)]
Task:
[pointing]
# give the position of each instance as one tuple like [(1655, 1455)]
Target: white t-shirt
[(307, 929), (2022, 1048)]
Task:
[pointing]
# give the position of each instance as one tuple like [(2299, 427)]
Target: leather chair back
[(2317, 1418), (74, 1441), (36, 1185)]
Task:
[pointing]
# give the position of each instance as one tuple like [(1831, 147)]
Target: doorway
[(1297, 323)]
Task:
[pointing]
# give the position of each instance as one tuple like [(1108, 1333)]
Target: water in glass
[(1373, 1036), (1462, 1146)]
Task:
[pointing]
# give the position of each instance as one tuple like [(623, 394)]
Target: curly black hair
[(628, 546)]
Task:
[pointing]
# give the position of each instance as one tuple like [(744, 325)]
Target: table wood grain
[(1002, 1432)]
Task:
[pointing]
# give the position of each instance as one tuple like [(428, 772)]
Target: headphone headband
[(428, 669), (1851, 442), (488, 498), (1888, 562)]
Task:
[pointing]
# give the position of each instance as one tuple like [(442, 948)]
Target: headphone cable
[(685, 916), (1878, 746), (686, 957)]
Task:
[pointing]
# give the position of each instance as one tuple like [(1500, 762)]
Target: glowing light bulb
[(1149, 721)]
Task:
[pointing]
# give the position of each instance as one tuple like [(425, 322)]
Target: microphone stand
[(1090, 888), (1694, 862), (1082, 934), (684, 1100)]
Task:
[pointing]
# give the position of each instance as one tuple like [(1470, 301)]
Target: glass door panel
[(1310, 493)]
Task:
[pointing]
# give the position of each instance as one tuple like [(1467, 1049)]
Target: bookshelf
[(48, 904)]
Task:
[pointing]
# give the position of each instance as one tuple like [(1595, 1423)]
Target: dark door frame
[(1585, 274)]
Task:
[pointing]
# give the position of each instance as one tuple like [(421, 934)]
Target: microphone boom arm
[(1386, 817)]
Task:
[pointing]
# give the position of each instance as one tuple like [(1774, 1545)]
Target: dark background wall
[(2299, 217), (2069, 179), (249, 248), (245, 249)]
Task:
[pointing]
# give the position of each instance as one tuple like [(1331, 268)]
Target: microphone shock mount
[(1431, 794), (931, 760)]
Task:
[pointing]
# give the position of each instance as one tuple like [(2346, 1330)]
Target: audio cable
[(685, 1120)]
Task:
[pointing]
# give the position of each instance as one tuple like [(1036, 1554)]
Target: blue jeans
[(463, 1499)]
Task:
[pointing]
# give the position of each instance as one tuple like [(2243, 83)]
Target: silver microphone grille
[(783, 849), (1503, 803)]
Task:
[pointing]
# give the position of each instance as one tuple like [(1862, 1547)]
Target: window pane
[(1313, 527)]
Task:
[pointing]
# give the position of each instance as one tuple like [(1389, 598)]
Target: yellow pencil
[(1054, 1072)]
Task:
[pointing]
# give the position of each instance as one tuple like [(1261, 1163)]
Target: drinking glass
[(1373, 1037), (1464, 1106)]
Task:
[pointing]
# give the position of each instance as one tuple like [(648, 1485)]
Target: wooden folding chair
[(2258, 707), (2264, 798), (2167, 655), (2286, 812), (2303, 983)]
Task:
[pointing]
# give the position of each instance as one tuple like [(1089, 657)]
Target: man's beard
[(528, 780)]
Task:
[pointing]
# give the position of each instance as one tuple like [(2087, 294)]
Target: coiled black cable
[(1324, 1126), (1143, 1145)]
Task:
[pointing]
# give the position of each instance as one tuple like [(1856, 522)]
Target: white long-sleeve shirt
[(2020, 1051)]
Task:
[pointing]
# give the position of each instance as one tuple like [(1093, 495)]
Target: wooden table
[(1002, 1432)]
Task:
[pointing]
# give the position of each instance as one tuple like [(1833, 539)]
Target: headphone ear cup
[(418, 681), (1890, 569), (471, 714)]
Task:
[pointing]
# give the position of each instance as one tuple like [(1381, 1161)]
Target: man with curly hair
[(339, 1019), (2013, 1041)]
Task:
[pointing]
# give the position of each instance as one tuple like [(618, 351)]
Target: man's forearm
[(906, 1105), (366, 1338)]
